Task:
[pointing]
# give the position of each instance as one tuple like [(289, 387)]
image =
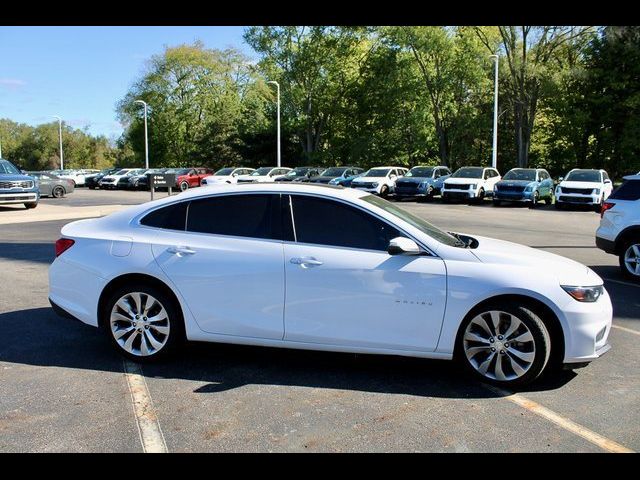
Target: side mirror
[(607, 181), (403, 246)]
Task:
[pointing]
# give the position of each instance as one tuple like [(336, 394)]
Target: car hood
[(568, 272), (522, 183), (368, 179), (569, 184), (413, 179), (15, 178), (462, 181)]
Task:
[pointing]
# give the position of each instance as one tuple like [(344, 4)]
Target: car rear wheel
[(184, 186), (58, 192), (504, 344), (142, 322), (630, 259)]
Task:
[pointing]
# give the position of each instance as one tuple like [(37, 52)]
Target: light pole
[(146, 140), (494, 159), (278, 91), (60, 135)]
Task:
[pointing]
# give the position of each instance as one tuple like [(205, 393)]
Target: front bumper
[(513, 196), (18, 197), (577, 199), (375, 190), (459, 194), (609, 246)]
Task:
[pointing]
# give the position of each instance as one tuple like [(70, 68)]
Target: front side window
[(329, 222), (584, 176), (235, 215), (468, 172)]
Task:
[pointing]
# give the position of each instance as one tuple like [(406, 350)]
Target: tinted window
[(328, 222), (237, 215), (468, 172), (584, 176), (629, 190), (171, 217)]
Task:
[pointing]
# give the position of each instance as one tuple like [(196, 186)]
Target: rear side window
[(629, 190), (237, 215), (171, 217), (328, 222)]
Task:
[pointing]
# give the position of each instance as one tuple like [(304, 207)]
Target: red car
[(189, 177)]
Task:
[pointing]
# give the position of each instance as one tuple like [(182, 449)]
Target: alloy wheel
[(499, 346), (58, 192), (139, 324), (632, 259)]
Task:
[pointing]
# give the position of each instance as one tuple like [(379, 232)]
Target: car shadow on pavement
[(31, 252), (625, 296), (39, 337)]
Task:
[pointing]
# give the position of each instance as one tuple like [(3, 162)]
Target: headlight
[(375, 184), (584, 294), (558, 190), (596, 191)]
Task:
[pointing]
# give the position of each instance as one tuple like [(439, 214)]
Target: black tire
[(535, 325), (621, 258), (184, 185), (479, 199), (31, 205), (176, 335), (496, 202), (57, 192), (558, 205), (384, 191)]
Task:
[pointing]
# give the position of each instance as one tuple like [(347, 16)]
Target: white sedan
[(325, 268), (227, 175)]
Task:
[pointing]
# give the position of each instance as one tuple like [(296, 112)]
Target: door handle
[(180, 250), (306, 262)]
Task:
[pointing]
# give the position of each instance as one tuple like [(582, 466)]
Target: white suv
[(471, 184), (584, 187), (379, 180), (619, 231), (264, 174)]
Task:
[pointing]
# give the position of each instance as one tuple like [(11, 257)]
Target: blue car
[(16, 187), (345, 181), (421, 182), (528, 185)]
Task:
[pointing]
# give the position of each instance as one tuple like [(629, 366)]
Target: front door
[(343, 288)]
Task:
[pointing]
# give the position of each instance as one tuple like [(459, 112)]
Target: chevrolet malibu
[(325, 268)]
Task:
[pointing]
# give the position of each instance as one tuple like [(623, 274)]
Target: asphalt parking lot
[(63, 388)]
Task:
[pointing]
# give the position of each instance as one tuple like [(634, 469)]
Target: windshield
[(8, 168), (224, 172), (333, 172), (468, 172), (420, 172), (521, 174), (422, 225), (584, 176), (261, 171), (297, 172), (377, 172)]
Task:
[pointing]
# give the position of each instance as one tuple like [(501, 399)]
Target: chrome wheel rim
[(499, 346), (140, 324), (184, 186), (632, 259)]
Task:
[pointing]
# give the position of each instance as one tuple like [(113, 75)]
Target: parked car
[(333, 173), (530, 185), (299, 173), (472, 184), (345, 181), (619, 231), (113, 181), (264, 174), (51, 185), (584, 187), (77, 176), (379, 180), (362, 275), (140, 181), (16, 187), (422, 182), (227, 175), (91, 181)]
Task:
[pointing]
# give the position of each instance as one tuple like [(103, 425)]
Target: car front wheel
[(142, 322), (184, 186), (504, 344), (58, 192), (630, 259), (384, 191)]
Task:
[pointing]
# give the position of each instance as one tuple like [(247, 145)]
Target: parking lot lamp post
[(146, 140), (60, 135), (278, 108), (494, 159)]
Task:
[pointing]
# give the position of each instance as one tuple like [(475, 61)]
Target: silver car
[(52, 186)]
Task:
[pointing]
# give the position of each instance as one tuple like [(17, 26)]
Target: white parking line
[(624, 329), (151, 436), (564, 423)]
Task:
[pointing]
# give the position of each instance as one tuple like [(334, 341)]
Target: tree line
[(569, 97)]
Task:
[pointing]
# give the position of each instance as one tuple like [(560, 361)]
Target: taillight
[(62, 245), (605, 206)]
